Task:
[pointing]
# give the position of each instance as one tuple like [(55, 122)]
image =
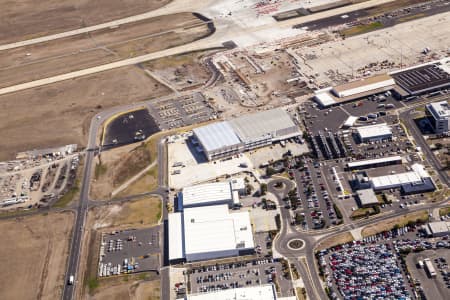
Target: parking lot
[(210, 278), (385, 265), (317, 204), (129, 251), (434, 288), (129, 128), (182, 111)]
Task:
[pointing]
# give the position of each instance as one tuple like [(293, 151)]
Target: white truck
[(71, 280)]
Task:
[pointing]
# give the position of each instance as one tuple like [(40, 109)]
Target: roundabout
[(296, 244)]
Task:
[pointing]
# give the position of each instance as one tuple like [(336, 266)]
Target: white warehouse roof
[(372, 131), (207, 193), (368, 162), (395, 180), (363, 85), (213, 228), (324, 98), (260, 125), (216, 136), (261, 292), (176, 236), (350, 121)]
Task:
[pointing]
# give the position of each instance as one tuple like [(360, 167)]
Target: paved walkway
[(133, 179)]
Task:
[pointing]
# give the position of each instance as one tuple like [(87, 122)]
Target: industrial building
[(374, 163), (439, 115), (424, 78), (367, 198), (260, 292), (404, 83), (209, 232), (437, 229), (218, 140), (377, 132), (228, 138), (211, 194), (416, 181), (354, 90)]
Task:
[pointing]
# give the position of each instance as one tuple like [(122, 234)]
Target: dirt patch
[(148, 182), (185, 71), (339, 239), (128, 287), (118, 165), (60, 113), (390, 223), (33, 256), (23, 19), (134, 214), (103, 46)]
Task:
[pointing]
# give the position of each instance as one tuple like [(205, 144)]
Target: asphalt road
[(420, 141)]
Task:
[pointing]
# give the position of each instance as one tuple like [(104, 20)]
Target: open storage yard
[(26, 20), (99, 47), (33, 256), (60, 113)]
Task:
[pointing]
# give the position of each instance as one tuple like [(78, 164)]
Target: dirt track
[(25, 19), (60, 113), (42, 60), (33, 256)]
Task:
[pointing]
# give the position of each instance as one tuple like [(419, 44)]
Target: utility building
[(377, 132)]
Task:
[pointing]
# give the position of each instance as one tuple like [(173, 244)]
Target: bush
[(263, 189), (338, 211)]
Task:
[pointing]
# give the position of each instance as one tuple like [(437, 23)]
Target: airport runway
[(226, 30)]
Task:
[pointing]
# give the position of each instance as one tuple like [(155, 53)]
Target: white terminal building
[(439, 115), (227, 138), (209, 232), (375, 132)]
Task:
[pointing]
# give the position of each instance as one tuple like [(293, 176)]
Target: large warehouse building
[(260, 292), (209, 232), (439, 115), (375, 132), (227, 138), (211, 194)]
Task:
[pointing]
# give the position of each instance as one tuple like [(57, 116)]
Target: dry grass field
[(60, 113), (24, 19), (133, 214), (79, 52), (33, 256), (390, 223), (132, 288), (341, 238)]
